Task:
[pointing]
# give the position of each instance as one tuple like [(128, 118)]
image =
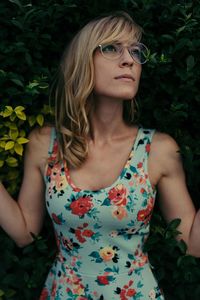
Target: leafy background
[(33, 36)]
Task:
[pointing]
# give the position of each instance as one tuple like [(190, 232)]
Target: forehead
[(123, 37)]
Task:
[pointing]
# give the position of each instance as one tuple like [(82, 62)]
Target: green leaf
[(174, 224), (18, 82), (190, 62), (12, 161)]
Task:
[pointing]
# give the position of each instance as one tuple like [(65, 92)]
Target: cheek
[(101, 81)]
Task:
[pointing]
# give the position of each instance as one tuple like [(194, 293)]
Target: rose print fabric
[(100, 234)]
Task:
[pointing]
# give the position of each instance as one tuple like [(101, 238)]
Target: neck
[(107, 119)]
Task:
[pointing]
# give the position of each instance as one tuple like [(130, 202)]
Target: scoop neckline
[(105, 189)]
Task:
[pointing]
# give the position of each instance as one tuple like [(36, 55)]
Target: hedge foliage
[(32, 38)]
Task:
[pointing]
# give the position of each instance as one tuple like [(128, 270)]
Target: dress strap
[(53, 146), (143, 145)]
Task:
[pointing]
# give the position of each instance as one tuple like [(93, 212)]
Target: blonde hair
[(75, 83)]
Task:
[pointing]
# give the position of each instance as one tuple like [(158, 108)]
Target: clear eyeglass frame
[(113, 51)]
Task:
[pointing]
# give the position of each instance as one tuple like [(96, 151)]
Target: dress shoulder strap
[(143, 144), (53, 146)]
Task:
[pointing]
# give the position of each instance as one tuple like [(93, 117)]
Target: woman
[(100, 172)]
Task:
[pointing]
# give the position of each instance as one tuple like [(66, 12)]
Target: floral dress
[(100, 234)]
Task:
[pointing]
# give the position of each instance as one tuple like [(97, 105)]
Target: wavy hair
[(73, 91)]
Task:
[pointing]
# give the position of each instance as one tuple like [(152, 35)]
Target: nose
[(126, 59)]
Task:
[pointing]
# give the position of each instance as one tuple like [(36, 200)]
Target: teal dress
[(100, 234)]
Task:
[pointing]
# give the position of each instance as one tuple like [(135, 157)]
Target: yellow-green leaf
[(8, 111), (12, 161), (12, 117), (9, 145), (22, 140), (5, 137), (1, 163), (22, 133), (18, 149), (19, 109), (33, 84), (40, 119), (11, 125), (31, 120), (21, 115), (2, 144), (13, 134)]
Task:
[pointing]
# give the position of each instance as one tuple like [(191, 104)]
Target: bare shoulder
[(165, 154), (164, 143), (38, 145)]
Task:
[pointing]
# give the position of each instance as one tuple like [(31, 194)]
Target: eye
[(135, 50), (109, 48)]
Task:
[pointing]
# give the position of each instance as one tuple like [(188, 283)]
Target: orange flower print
[(144, 215), (107, 253), (81, 206), (102, 280), (120, 213), (126, 292), (61, 182), (117, 195), (82, 233)]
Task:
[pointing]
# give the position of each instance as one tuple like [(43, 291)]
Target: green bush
[(31, 43)]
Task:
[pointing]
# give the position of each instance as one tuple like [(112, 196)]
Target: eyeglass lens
[(138, 52)]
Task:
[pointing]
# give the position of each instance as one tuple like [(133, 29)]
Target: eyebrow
[(120, 43)]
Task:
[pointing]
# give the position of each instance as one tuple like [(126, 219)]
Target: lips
[(125, 76)]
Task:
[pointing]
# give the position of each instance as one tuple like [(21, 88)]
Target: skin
[(111, 143)]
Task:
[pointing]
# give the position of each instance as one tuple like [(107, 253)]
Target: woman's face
[(118, 78)]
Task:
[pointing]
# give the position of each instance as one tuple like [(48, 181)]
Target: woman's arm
[(25, 216), (174, 198)]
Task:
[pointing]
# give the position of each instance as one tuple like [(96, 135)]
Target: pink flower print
[(57, 219), (152, 294), (113, 233), (117, 195), (139, 165), (53, 292), (147, 148), (44, 295)]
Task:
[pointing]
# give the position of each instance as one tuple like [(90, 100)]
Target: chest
[(102, 167)]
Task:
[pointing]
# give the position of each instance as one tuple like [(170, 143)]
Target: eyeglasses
[(139, 52)]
